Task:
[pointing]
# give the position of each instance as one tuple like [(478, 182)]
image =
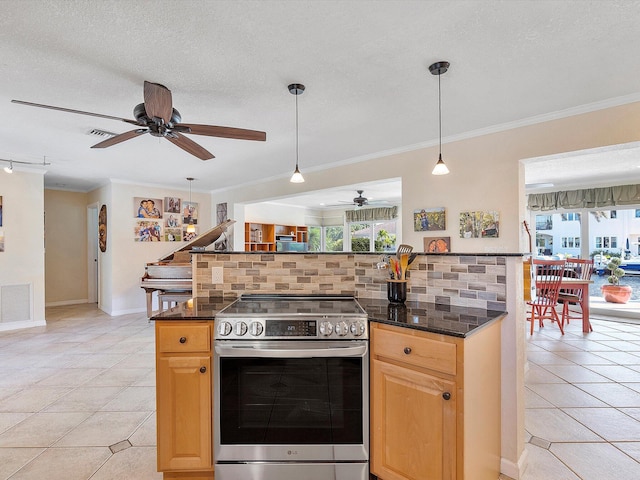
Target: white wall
[(22, 262), (123, 264)]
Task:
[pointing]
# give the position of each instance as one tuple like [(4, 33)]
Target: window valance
[(585, 198), (371, 214)]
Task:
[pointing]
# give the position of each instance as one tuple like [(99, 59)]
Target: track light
[(296, 89), (438, 69), (9, 168)]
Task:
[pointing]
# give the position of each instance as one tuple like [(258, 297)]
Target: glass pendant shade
[(297, 176), (440, 168)]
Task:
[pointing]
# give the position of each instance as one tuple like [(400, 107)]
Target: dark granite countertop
[(447, 254), (198, 308), (430, 317)]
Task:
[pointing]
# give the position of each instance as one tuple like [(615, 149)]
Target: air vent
[(101, 133)]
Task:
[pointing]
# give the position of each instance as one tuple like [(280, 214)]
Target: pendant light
[(438, 69), (191, 228), (296, 89)]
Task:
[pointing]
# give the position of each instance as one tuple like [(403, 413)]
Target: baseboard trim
[(513, 470), (66, 302), (5, 327)]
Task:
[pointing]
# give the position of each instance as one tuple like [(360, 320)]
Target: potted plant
[(614, 292)]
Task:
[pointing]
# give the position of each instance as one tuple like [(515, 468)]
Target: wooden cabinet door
[(413, 426), (184, 413)]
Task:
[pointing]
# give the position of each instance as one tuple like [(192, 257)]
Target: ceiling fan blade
[(189, 146), (120, 138), (157, 101), (70, 110), (225, 132)]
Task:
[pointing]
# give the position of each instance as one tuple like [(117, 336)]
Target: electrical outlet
[(217, 275)]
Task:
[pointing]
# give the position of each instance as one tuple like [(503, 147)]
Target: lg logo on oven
[(292, 452)]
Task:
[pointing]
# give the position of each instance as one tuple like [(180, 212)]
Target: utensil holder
[(397, 291)]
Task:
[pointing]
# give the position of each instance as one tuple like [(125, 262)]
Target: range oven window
[(302, 401)]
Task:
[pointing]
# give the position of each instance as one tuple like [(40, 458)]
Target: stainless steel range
[(291, 389)]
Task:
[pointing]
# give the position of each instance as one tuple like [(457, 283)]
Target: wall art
[(480, 224), (148, 231), (172, 204), (189, 211), (147, 207), (429, 219), (437, 244), (173, 234), (102, 228)]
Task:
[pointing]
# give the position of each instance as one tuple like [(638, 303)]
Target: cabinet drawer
[(184, 338), (413, 350)]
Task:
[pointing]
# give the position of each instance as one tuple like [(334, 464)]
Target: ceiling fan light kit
[(157, 117), (438, 69), (296, 89)]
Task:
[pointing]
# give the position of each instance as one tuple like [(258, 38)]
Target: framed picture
[(187, 236), (172, 204), (0, 210), (172, 220), (173, 234), (189, 211), (481, 224), (437, 244), (429, 219), (147, 207), (148, 231)]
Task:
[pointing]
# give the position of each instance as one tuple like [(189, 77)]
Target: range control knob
[(224, 329), (326, 328), (240, 329), (256, 329), (342, 329), (357, 329)]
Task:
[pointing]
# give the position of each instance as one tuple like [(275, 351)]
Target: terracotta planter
[(616, 293)]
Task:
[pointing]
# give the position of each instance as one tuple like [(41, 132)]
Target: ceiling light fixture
[(191, 228), (438, 69), (296, 89), (9, 168)]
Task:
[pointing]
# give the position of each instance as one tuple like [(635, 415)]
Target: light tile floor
[(582, 401), (77, 400)]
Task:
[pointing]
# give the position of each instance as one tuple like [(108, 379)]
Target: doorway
[(93, 258)]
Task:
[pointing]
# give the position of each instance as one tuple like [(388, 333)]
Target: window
[(606, 242), (544, 222), (378, 236), (637, 212), (570, 242), (315, 239), (333, 239), (568, 217)]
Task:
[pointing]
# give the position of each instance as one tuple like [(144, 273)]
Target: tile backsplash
[(462, 280)]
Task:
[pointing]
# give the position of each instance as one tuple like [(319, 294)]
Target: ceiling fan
[(158, 117), (361, 201)]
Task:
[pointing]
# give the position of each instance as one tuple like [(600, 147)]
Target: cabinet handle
[(203, 369), (446, 395), (407, 350), (183, 339)]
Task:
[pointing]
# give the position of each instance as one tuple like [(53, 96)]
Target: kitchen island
[(434, 389)]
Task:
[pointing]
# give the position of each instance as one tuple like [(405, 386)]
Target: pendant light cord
[(296, 95), (439, 119)]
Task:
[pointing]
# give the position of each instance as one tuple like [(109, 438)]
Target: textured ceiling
[(364, 64)]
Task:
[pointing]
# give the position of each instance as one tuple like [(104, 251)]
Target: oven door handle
[(241, 351)]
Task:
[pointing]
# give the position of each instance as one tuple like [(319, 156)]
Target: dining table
[(570, 283)]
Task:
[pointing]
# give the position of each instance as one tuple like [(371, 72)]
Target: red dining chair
[(571, 299), (548, 275)]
